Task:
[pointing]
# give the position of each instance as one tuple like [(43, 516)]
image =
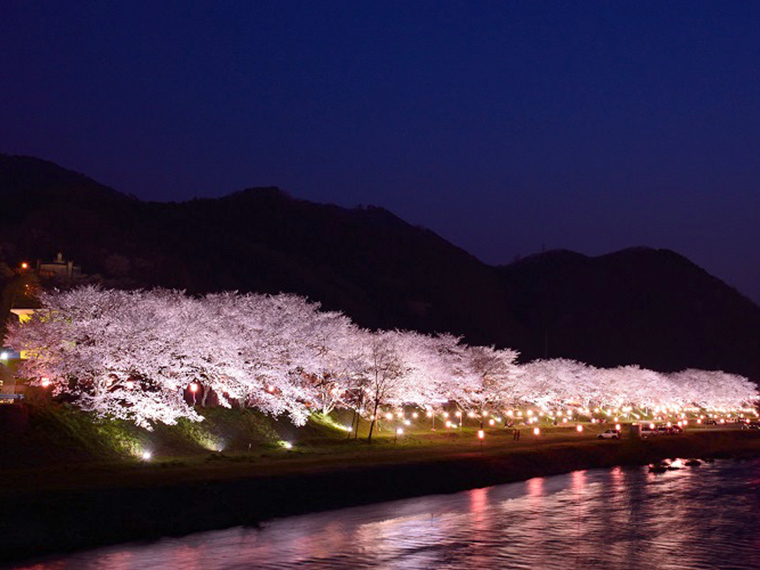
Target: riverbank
[(71, 507)]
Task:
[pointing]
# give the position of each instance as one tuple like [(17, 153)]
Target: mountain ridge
[(639, 305)]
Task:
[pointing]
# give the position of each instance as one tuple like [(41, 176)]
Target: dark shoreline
[(56, 522)]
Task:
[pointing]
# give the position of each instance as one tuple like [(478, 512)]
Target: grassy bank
[(101, 494)]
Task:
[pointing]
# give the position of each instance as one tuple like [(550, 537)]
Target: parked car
[(609, 434), (646, 431)]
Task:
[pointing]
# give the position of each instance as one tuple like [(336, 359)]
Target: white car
[(609, 434)]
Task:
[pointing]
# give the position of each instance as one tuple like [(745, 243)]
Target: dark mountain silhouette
[(639, 305), (644, 306), (367, 262)]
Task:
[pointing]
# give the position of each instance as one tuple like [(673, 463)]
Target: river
[(623, 518)]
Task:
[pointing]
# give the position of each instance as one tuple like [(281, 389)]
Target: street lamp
[(193, 390)]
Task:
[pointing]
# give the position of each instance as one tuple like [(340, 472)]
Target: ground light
[(399, 431), (536, 432), (579, 428), (481, 436)]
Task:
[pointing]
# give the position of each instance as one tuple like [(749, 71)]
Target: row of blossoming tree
[(133, 355)]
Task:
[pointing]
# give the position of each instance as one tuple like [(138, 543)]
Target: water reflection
[(693, 518)]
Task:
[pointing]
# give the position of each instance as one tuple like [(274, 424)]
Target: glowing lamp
[(399, 431), (414, 415), (579, 428), (146, 455), (388, 416), (651, 426), (130, 384), (448, 424), (470, 414), (699, 421), (407, 423), (24, 265), (617, 427), (429, 414), (491, 422), (530, 412), (564, 420), (3, 356), (45, 382), (270, 388), (193, 387), (536, 431), (287, 445), (481, 434), (445, 414)]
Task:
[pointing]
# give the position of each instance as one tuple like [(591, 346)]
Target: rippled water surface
[(698, 517)]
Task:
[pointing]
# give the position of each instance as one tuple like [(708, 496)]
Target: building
[(59, 267)]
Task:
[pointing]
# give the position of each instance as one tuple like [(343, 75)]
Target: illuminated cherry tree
[(135, 354)]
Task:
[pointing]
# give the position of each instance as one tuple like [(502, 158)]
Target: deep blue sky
[(503, 126)]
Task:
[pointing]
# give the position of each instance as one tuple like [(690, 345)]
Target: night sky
[(506, 127)]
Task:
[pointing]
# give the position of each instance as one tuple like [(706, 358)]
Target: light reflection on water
[(702, 517)]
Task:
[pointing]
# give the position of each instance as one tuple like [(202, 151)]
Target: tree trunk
[(353, 421), (374, 420)]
